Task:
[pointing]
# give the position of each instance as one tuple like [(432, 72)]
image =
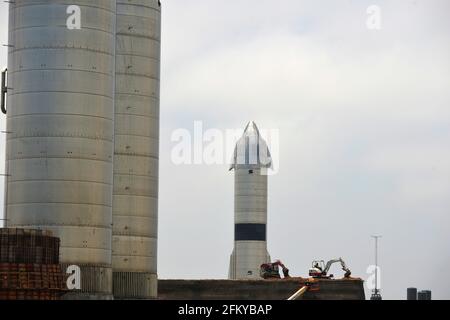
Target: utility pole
[(376, 293)]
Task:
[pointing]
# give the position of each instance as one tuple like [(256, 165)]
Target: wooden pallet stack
[(29, 266)]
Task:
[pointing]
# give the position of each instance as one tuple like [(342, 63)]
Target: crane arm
[(343, 264), (346, 269), (329, 264), (299, 293)]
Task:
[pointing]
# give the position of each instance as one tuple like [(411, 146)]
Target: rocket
[(250, 163)]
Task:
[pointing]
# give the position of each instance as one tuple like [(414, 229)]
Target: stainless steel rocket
[(251, 160)]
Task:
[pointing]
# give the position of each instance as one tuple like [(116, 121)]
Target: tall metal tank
[(136, 159), (60, 130), (424, 295), (411, 294), (251, 160)]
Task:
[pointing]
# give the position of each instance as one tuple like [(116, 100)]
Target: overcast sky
[(364, 120)]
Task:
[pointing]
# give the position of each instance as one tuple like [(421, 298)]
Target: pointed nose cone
[(251, 128), (251, 150)]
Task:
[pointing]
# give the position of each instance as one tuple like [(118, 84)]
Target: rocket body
[(250, 163)]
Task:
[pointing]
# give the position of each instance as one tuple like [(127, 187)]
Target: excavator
[(272, 270), (320, 270)]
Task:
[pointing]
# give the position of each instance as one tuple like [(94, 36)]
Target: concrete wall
[(258, 290)]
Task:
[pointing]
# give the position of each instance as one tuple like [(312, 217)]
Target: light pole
[(376, 293)]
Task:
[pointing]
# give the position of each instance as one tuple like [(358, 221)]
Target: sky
[(364, 127)]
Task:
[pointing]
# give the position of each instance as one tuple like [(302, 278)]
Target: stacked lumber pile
[(29, 266)]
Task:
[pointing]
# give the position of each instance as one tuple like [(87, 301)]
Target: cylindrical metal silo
[(61, 129), (251, 161), (411, 294), (424, 295), (135, 208)]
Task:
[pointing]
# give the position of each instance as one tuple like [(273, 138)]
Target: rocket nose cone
[(251, 150), (251, 128)]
